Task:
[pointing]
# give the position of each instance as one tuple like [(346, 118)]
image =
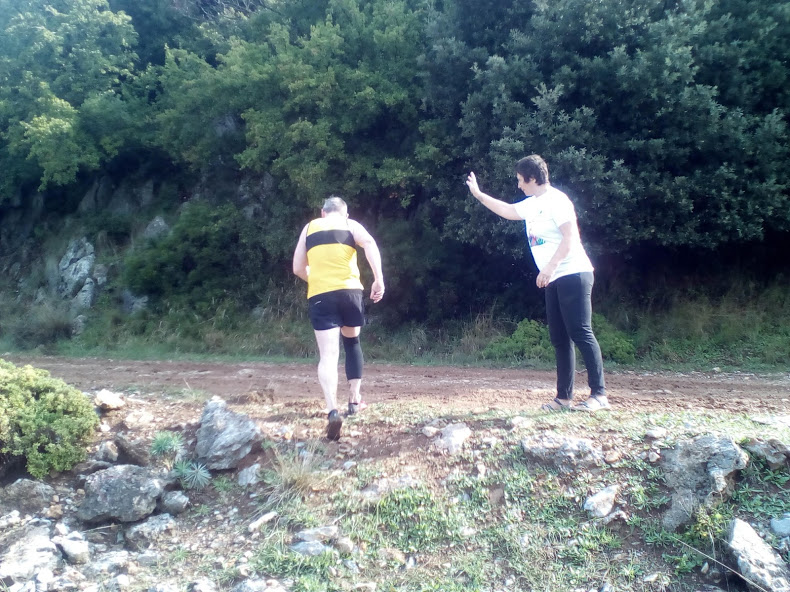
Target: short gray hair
[(335, 203)]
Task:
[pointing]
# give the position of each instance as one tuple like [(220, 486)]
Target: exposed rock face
[(701, 472), (156, 228), (75, 267)]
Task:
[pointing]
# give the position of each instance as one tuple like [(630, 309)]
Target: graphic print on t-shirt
[(535, 241)]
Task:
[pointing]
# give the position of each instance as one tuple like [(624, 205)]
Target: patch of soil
[(259, 382)]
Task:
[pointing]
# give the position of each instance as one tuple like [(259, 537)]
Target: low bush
[(530, 341), (42, 419), (616, 346)]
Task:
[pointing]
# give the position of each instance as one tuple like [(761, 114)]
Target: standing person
[(326, 258), (564, 270)]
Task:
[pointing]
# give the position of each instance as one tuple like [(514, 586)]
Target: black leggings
[(569, 314)]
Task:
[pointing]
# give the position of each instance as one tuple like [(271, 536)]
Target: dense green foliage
[(666, 122), (42, 419), (213, 255)]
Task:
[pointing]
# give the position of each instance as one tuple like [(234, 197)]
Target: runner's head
[(334, 205)]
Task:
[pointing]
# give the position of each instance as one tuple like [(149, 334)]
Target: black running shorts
[(339, 308)]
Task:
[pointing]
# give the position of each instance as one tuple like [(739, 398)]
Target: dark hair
[(533, 167), (333, 203)]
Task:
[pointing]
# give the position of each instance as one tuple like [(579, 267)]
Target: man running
[(326, 258)]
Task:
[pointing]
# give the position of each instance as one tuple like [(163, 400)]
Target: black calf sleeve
[(353, 357)]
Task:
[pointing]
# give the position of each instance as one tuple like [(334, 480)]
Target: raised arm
[(373, 255), (300, 256), (500, 208)]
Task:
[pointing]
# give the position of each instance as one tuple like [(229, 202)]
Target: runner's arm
[(373, 255), (300, 256)]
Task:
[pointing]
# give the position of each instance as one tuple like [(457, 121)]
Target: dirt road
[(475, 387)]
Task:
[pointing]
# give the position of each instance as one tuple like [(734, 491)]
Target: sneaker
[(593, 404), (334, 425), (354, 408)]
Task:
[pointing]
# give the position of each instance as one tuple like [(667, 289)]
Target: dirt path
[(475, 387)]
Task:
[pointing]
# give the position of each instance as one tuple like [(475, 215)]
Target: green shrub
[(615, 345), (42, 419), (530, 341), (213, 255)]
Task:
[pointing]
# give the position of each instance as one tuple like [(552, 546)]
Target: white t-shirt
[(543, 215)]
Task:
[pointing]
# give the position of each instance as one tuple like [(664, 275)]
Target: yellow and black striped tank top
[(332, 256)]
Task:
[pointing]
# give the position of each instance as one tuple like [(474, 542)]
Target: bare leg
[(329, 353)]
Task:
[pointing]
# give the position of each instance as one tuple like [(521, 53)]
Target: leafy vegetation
[(43, 420), (665, 122)]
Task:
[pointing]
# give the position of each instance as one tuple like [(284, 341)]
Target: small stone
[(344, 545), (657, 433), (267, 517), (430, 431), (108, 400), (394, 555)]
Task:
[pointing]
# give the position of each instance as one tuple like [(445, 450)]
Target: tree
[(55, 58), (618, 97)]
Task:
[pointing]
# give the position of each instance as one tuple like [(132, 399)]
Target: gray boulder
[(774, 452), (701, 473), (126, 493), (27, 496), (224, 437), (174, 502), (602, 503), (141, 536), (781, 526), (74, 547)]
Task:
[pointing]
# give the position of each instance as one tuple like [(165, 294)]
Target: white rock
[(602, 503), (430, 431), (108, 400), (267, 517), (453, 438)]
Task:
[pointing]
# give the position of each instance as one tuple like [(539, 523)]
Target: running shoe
[(354, 408), (334, 425)]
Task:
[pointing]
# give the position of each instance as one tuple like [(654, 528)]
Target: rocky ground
[(216, 537)]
